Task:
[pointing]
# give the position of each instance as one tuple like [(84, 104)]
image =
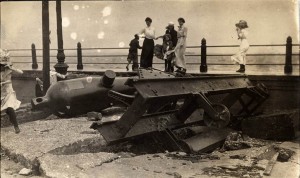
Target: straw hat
[(4, 57), (170, 24), (242, 24)]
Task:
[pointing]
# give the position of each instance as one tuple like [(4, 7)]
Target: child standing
[(53, 79), (240, 56), (9, 102), (168, 50), (133, 53)]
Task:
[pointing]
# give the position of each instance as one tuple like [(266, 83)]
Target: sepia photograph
[(150, 88)]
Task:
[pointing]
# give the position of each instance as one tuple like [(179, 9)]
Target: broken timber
[(164, 103)]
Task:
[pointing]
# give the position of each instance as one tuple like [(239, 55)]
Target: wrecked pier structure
[(163, 104)]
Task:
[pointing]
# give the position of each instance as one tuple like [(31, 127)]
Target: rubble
[(284, 154), (25, 172), (94, 116), (233, 171), (238, 140)]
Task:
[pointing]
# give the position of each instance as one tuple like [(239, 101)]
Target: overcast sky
[(113, 23)]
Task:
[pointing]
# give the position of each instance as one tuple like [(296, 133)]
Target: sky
[(113, 23)]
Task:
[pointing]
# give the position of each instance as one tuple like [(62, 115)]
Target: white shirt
[(149, 32)]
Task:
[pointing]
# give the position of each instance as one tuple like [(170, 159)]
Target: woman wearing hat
[(148, 46), (240, 56), (9, 101), (181, 46), (173, 36)]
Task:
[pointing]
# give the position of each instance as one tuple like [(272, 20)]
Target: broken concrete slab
[(39, 137), (290, 168), (73, 165)]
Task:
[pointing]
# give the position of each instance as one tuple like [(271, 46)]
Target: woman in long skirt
[(148, 46), (9, 101), (180, 48), (240, 56)]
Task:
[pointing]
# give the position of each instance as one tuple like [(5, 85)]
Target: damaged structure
[(163, 103)]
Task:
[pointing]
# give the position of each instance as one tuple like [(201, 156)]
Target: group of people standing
[(175, 42)]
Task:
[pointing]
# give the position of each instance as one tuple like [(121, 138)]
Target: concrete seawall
[(284, 89)]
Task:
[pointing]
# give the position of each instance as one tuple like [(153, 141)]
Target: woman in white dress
[(180, 48), (9, 101), (240, 56)]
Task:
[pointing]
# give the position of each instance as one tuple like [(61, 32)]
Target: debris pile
[(237, 140), (233, 171)]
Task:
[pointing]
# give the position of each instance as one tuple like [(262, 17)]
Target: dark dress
[(147, 53)]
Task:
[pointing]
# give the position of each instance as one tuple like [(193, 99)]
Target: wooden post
[(33, 53), (60, 66), (288, 67), (203, 66), (46, 45), (79, 56)]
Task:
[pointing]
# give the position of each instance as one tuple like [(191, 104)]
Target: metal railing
[(288, 66)]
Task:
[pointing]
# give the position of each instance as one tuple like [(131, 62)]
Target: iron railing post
[(203, 66), (79, 56), (46, 45), (60, 66), (288, 67), (33, 54)]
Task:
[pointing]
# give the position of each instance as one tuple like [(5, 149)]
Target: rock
[(155, 156), (177, 175), (170, 173), (25, 172), (157, 171), (9, 172), (262, 164), (241, 156), (246, 176), (213, 157), (284, 155), (94, 116), (229, 167), (181, 153)]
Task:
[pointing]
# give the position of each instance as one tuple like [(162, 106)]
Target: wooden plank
[(270, 165)]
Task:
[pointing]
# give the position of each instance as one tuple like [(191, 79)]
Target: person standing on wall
[(240, 56), (173, 33), (180, 48), (148, 46)]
